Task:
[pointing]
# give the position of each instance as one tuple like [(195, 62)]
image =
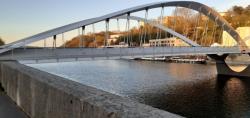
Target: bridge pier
[(225, 70)]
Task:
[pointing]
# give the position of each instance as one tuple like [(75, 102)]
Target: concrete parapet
[(43, 95)]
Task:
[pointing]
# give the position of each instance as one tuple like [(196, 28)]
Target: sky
[(23, 18)]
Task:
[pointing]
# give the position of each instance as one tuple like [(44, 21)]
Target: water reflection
[(221, 97), (185, 89)]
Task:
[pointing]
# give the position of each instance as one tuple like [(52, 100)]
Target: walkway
[(8, 109)]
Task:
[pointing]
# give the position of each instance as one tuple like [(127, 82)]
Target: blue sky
[(22, 18)]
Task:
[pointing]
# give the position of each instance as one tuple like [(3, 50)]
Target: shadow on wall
[(1, 87)]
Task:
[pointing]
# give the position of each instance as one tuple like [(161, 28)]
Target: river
[(190, 90)]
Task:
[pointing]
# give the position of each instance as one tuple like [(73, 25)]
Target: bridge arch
[(209, 12), (166, 29)]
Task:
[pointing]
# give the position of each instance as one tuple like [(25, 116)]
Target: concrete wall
[(43, 95)]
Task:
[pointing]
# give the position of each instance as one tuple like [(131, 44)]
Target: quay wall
[(43, 95)]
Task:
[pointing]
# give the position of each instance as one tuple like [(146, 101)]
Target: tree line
[(238, 16)]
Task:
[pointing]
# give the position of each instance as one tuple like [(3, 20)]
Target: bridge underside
[(77, 54), (225, 70)]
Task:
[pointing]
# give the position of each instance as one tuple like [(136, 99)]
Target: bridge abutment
[(225, 70)]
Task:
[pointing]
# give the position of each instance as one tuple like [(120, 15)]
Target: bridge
[(198, 38)]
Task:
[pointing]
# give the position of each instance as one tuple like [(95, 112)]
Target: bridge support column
[(224, 69)]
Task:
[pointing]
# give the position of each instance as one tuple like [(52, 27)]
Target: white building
[(113, 38), (167, 42), (244, 33)]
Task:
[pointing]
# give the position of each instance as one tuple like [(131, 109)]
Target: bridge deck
[(69, 54)]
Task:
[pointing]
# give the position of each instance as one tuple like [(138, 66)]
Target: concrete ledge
[(43, 95)]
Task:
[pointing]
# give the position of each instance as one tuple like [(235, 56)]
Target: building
[(167, 42), (113, 38), (244, 33), (223, 13)]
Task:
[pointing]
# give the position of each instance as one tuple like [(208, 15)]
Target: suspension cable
[(94, 35), (128, 30), (161, 19), (188, 18), (220, 38), (157, 35), (185, 29), (125, 33), (145, 29), (64, 43), (166, 33), (197, 25), (175, 19), (228, 40), (54, 41), (83, 36), (150, 33), (118, 26), (204, 33), (80, 37), (139, 35), (107, 33), (212, 34), (214, 31), (44, 43)]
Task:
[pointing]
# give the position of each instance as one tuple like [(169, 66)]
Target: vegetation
[(184, 21), (1, 41), (238, 16), (89, 40), (193, 25)]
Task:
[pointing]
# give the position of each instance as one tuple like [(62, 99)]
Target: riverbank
[(175, 60)]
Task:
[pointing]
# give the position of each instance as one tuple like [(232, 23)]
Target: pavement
[(8, 108)]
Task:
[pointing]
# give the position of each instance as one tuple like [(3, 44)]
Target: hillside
[(237, 16)]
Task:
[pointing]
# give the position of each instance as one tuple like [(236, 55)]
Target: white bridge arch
[(209, 12)]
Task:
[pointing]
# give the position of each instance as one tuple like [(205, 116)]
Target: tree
[(247, 10), (238, 9), (238, 16), (1, 41), (248, 7)]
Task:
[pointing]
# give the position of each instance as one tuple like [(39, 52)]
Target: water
[(190, 90)]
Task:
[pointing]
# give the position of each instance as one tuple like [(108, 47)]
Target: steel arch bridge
[(18, 50), (207, 11)]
